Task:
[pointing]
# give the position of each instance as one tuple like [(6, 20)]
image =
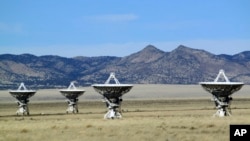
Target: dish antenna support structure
[(222, 92), (22, 94), (72, 94), (112, 95)]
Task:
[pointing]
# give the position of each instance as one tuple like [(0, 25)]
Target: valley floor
[(144, 120)]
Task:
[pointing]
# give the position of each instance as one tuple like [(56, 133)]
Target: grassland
[(175, 119), (164, 120)]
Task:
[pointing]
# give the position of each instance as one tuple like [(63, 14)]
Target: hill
[(183, 65)]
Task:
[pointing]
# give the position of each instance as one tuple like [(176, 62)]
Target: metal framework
[(222, 92), (112, 76), (222, 105), (221, 74), (112, 96), (72, 94), (22, 95), (113, 105)]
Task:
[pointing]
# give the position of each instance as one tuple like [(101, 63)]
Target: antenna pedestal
[(72, 105), (222, 105), (23, 108), (113, 106)]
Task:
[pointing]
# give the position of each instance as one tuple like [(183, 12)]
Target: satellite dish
[(112, 94), (22, 94), (72, 94), (222, 92)]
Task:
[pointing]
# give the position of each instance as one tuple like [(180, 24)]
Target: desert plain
[(150, 112)]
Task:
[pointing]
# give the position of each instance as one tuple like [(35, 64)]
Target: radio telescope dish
[(22, 94), (112, 94), (222, 92), (72, 94)]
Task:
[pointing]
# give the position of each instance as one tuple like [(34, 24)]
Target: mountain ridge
[(183, 65)]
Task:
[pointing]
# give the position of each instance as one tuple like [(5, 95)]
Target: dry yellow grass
[(150, 112), (144, 120)]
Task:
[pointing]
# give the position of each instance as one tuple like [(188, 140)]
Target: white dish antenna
[(222, 92), (72, 94), (112, 94), (22, 94)]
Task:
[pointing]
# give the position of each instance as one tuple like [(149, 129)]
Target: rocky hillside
[(183, 65)]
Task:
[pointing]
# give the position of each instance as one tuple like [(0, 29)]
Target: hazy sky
[(120, 27)]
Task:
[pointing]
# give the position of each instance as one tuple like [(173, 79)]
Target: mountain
[(147, 55), (183, 65)]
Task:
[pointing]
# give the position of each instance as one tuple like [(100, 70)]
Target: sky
[(72, 28)]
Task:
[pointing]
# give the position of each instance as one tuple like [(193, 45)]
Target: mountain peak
[(181, 49), (148, 54), (151, 49), (184, 48)]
